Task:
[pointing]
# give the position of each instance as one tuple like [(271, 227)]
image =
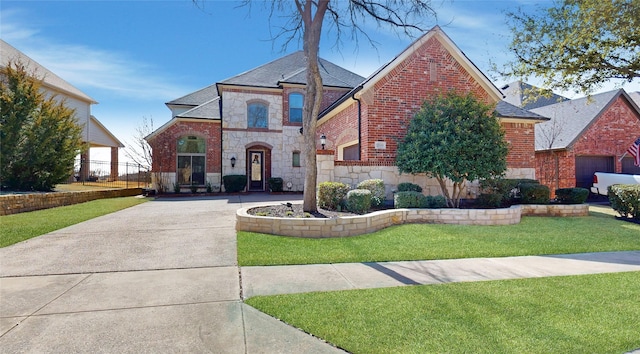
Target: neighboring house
[(94, 134), (251, 123), (523, 95), (584, 136)]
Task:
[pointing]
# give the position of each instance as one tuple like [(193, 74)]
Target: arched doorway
[(258, 168)]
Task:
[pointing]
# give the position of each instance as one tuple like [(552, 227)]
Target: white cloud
[(89, 68)]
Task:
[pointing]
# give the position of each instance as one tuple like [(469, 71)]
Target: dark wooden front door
[(256, 170)]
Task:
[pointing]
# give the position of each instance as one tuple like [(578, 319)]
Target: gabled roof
[(523, 95), (207, 110), (292, 69), (435, 32), (196, 98), (507, 110), (50, 80), (107, 139), (570, 119)]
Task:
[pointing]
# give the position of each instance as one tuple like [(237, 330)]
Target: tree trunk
[(313, 99)]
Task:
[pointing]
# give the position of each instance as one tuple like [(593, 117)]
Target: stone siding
[(20, 203), (555, 210)]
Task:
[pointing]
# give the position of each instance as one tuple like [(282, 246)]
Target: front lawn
[(19, 227), (533, 236), (577, 314)]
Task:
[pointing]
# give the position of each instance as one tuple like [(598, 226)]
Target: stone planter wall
[(363, 224), (555, 209), (19, 203)]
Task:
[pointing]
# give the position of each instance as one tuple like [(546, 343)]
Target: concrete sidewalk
[(163, 277), (276, 280)]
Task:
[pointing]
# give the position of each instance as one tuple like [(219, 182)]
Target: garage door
[(628, 166), (587, 165)]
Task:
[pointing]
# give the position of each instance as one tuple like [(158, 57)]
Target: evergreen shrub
[(376, 186), (331, 195), (359, 200), (234, 183), (572, 195)]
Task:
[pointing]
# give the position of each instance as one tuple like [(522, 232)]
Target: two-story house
[(250, 124)]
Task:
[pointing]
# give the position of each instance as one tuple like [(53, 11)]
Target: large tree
[(305, 19), (577, 44), (454, 138), (40, 135)]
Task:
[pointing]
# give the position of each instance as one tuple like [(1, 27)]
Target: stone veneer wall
[(20, 203), (353, 172), (363, 224)]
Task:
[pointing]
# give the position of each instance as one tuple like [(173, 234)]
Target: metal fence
[(110, 175)]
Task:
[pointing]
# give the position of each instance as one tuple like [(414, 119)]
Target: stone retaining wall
[(555, 209), (363, 224), (19, 203)]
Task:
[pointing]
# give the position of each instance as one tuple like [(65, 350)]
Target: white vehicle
[(602, 180)]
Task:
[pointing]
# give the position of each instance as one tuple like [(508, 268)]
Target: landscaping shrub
[(572, 195), (508, 188), (534, 193), (625, 199), (408, 199), (331, 195), (434, 202), (359, 200), (234, 183), (409, 187), (275, 184), (376, 186), (489, 200)]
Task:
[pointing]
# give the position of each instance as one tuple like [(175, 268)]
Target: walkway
[(163, 277)]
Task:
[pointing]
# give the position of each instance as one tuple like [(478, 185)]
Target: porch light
[(233, 162), (323, 141)]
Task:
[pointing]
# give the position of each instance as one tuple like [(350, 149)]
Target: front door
[(256, 171)]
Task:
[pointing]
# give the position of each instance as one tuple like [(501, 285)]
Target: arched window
[(191, 160), (296, 100), (257, 115)]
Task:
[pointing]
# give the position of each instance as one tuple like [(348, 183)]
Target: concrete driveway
[(160, 277)]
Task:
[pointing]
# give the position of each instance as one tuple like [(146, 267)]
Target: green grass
[(533, 236), (577, 314), (19, 227)]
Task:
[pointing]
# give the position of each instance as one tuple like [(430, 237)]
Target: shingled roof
[(196, 98), (570, 119), (207, 110), (507, 110), (292, 69)]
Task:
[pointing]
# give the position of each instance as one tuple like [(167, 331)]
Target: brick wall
[(20, 203), (164, 145), (430, 70), (521, 140)]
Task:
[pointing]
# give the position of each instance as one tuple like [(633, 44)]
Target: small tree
[(454, 137), (40, 135)]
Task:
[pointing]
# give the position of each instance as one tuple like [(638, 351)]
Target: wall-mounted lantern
[(233, 162), (323, 141)]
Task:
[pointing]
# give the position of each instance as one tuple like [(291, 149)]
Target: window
[(191, 160), (296, 101), (257, 114), (296, 159)]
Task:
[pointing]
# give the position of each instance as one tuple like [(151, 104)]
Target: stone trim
[(364, 224), (20, 203)]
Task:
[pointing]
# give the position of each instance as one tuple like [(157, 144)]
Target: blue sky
[(133, 56)]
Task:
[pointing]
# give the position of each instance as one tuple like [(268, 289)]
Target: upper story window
[(257, 115), (296, 100)]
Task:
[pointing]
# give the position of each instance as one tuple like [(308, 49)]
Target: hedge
[(331, 195), (376, 186), (572, 195), (625, 199), (234, 183), (359, 200)]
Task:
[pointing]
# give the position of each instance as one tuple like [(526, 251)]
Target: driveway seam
[(116, 271)]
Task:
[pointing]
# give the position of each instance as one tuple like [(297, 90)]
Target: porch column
[(84, 165), (114, 163)]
